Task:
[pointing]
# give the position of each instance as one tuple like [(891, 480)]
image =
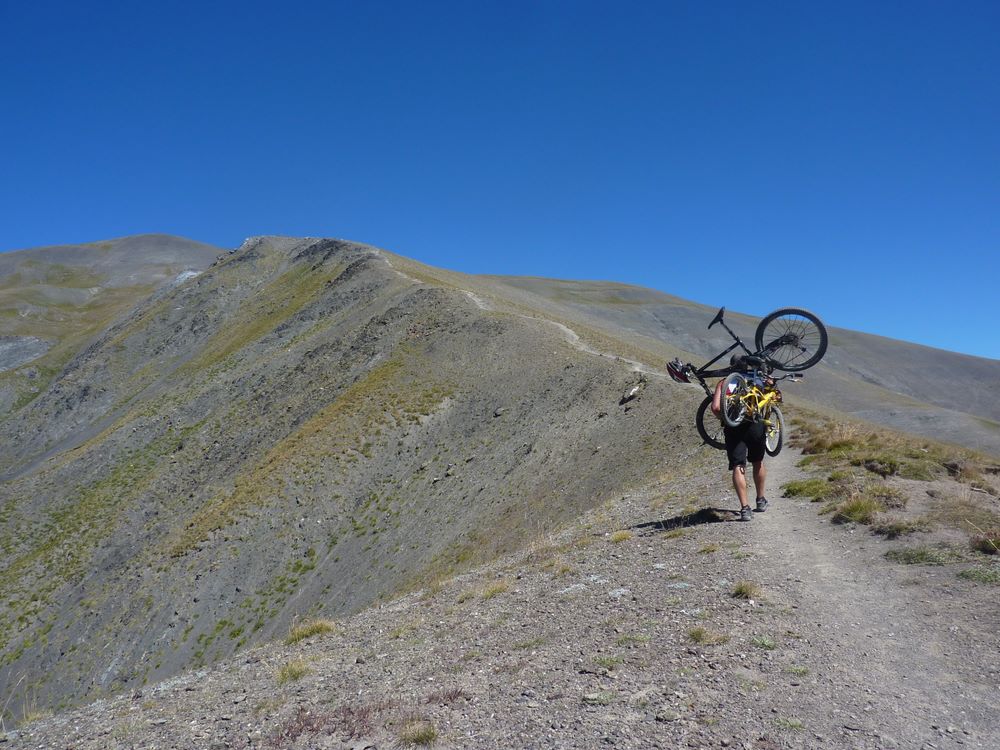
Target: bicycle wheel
[(733, 406), (792, 339), (709, 427), (774, 432)]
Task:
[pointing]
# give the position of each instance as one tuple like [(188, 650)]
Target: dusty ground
[(589, 642)]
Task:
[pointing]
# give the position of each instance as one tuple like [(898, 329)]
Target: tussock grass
[(858, 509), (402, 630), (620, 536), (982, 574), (797, 671), (602, 698), (309, 629), (793, 724), (962, 513), (417, 732), (838, 445), (922, 555), (627, 640), (888, 496), (486, 592), (530, 643), (765, 642), (608, 662), (882, 464), (293, 670), (892, 528), (705, 637), (746, 590), (708, 549), (816, 489), (987, 542), (495, 589)]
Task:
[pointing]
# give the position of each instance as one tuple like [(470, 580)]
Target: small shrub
[(293, 670), (922, 555), (746, 590), (982, 574), (621, 536), (418, 732), (765, 642), (797, 671), (309, 629)]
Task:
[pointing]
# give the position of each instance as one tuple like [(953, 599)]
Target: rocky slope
[(306, 428), (301, 429), (622, 630)]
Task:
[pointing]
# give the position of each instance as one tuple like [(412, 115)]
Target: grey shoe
[(761, 504), (746, 514)]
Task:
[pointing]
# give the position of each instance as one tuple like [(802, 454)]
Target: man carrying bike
[(749, 420), (745, 442)]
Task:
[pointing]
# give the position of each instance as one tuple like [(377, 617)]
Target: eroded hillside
[(301, 429)]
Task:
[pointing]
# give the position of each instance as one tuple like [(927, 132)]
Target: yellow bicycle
[(790, 339), (753, 395)]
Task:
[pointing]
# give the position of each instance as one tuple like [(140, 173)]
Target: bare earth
[(585, 642)]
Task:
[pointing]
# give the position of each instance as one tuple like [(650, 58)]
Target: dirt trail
[(571, 336), (893, 667)]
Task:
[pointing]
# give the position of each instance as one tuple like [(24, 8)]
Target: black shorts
[(745, 442)]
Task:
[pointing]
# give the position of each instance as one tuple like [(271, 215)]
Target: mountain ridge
[(303, 428)]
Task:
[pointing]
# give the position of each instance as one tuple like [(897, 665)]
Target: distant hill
[(53, 299), (939, 394)]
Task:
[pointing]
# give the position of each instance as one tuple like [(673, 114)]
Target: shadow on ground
[(701, 516)]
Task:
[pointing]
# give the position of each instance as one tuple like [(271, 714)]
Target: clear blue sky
[(838, 156)]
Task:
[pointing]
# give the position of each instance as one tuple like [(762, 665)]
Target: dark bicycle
[(788, 339)]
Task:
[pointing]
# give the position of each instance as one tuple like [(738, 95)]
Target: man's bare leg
[(759, 477), (740, 484)]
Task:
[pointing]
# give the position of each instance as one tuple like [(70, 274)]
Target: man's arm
[(717, 398)]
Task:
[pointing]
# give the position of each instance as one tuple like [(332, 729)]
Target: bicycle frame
[(703, 372), (759, 400)]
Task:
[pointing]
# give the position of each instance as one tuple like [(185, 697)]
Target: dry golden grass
[(308, 629), (746, 590)]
